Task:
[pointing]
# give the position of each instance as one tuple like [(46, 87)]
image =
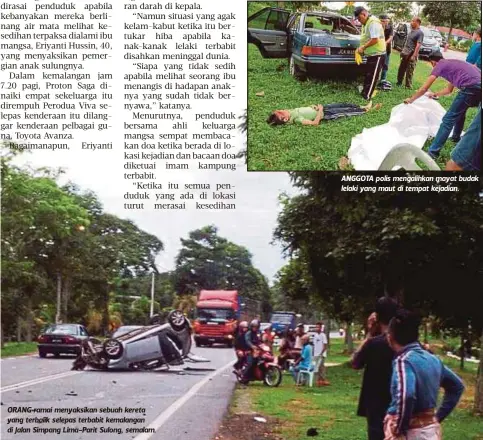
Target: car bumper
[(311, 63), (60, 348), (208, 338)]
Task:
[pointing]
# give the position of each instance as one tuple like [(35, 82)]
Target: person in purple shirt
[(465, 77)]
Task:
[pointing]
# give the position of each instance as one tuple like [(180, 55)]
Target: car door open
[(267, 29)]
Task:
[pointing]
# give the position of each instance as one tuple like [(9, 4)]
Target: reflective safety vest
[(380, 47)]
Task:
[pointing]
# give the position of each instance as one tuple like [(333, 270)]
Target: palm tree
[(243, 127)]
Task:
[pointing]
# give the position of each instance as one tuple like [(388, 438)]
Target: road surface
[(176, 406), (455, 55)]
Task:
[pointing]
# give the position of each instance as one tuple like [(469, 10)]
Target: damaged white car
[(144, 348)]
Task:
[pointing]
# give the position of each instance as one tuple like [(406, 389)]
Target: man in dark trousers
[(461, 75), (373, 46), (410, 53), (376, 356), (388, 35)]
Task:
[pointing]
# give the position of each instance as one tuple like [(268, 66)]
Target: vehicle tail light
[(41, 338), (310, 50), (70, 340), (197, 326)]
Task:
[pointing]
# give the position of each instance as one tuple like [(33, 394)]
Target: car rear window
[(62, 329), (329, 24)]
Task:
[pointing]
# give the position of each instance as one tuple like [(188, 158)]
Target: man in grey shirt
[(410, 52)]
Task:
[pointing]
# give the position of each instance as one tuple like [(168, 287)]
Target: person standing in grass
[(474, 54), (375, 356), (416, 379), (373, 46), (410, 53), (460, 75), (388, 35), (320, 353)]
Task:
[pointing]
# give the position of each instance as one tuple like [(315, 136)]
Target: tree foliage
[(421, 248), (398, 11), (60, 248), (208, 261), (461, 15)]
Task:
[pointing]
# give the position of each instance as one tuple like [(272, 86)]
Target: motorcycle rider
[(241, 347), (252, 339)]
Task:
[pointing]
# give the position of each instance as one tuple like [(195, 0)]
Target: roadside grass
[(18, 348), (332, 409), (295, 147)]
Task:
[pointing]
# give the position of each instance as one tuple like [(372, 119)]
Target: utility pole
[(152, 296)]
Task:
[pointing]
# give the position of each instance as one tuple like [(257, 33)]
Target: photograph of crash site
[(364, 86), (210, 331)]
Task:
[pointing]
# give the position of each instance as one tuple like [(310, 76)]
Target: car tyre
[(42, 353), (177, 320), (113, 348), (295, 70)]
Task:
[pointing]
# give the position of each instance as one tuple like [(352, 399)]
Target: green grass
[(18, 348), (297, 147), (333, 409)]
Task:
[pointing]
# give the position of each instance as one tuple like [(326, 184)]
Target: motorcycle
[(265, 369)]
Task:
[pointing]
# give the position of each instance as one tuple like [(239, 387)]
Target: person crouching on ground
[(241, 346), (416, 379), (315, 114), (304, 362), (463, 76)]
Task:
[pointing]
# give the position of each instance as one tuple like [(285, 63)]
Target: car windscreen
[(282, 318), (427, 33), (329, 24), (62, 330), (215, 314)]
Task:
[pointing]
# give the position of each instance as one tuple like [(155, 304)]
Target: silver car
[(144, 348)]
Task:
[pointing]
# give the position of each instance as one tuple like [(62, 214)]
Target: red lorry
[(217, 313)]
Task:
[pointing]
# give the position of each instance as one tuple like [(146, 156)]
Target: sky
[(250, 225)]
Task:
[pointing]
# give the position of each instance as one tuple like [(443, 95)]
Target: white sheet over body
[(409, 123)]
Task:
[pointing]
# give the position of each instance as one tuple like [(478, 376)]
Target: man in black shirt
[(376, 356), (388, 35)]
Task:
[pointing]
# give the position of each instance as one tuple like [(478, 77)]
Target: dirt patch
[(244, 426)]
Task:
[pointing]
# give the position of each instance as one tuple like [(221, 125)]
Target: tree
[(464, 15), (208, 261), (398, 11), (421, 249)]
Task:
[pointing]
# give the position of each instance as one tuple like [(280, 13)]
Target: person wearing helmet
[(252, 339), (241, 347)]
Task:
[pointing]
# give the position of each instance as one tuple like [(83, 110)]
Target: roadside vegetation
[(18, 348), (332, 409)]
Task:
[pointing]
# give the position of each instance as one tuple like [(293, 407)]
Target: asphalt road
[(455, 55), (180, 404)]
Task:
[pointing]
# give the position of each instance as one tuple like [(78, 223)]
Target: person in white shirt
[(299, 332), (320, 353)]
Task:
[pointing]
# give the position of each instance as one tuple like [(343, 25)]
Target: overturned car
[(144, 348)]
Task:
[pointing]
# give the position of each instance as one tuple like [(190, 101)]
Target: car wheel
[(113, 349), (177, 320), (295, 70), (42, 353)]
